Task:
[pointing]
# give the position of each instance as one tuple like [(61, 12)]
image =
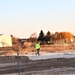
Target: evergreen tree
[(47, 37), (41, 36)]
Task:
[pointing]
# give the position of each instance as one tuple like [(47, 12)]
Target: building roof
[(1, 34)]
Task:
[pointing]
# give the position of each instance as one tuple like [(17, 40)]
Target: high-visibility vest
[(37, 46)]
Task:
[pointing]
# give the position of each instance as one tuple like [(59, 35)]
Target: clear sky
[(21, 18)]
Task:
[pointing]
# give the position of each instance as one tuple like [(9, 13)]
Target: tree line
[(48, 38), (57, 37)]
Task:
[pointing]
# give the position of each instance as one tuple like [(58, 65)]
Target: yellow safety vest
[(37, 46)]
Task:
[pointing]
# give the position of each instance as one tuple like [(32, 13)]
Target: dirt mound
[(37, 65), (11, 59)]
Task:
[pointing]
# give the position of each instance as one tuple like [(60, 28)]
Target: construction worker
[(37, 48)]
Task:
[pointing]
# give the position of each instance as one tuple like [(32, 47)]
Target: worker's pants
[(38, 52)]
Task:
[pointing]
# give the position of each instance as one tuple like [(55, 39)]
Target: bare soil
[(27, 65), (8, 64)]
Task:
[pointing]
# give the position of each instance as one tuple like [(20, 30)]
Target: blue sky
[(24, 17)]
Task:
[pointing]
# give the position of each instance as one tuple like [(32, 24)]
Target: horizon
[(39, 33), (35, 34), (22, 18)]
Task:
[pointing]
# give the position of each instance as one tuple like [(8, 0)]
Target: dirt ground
[(57, 66)]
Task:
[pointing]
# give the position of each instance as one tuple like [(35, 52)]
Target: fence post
[(18, 58)]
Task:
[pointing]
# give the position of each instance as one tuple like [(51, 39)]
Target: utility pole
[(18, 59)]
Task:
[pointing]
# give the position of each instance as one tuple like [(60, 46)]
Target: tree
[(34, 35), (67, 36), (41, 37), (63, 36), (15, 40), (57, 35), (47, 37)]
